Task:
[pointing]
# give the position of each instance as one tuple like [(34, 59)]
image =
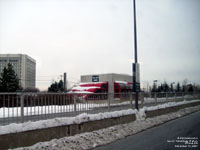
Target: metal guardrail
[(23, 107)]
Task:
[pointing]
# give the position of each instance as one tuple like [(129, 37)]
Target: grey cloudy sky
[(96, 36)]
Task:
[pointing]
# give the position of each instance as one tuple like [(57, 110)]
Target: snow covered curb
[(15, 128), (169, 104), (27, 126), (104, 136)]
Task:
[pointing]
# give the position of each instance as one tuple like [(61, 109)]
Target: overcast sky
[(96, 36)]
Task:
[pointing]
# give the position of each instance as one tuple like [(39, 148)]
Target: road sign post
[(136, 83)]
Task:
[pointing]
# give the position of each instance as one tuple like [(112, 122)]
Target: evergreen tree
[(8, 80), (166, 87), (53, 87), (161, 88), (56, 87), (178, 87), (154, 87), (61, 86), (190, 88)]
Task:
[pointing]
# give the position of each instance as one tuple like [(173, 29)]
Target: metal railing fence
[(23, 107)]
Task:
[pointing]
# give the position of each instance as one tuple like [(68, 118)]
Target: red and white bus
[(99, 90), (92, 90), (122, 89)]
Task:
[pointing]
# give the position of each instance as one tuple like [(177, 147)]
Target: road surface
[(169, 136)]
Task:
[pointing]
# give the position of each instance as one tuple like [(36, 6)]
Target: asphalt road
[(168, 136)]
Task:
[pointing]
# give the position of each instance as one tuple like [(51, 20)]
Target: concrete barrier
[(29, 138), (158, 112)]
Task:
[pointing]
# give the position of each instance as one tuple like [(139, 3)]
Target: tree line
[(165, 87)]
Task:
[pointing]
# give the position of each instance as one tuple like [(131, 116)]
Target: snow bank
[(93, 139), (140, 115), (164, 99), (169, 104), (14, 128)]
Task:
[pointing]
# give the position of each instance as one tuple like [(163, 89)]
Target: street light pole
[(172, 86), (155, 85), (136, 84), (135, 31)]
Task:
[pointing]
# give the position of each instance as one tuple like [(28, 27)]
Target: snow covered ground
[(93, 139), (39, 110), (164, 99), (6, 112)]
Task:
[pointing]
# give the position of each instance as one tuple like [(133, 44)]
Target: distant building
[(113, 80), (118, 85), (23, 65)]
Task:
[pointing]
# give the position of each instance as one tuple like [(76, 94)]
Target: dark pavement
[(169, 136)]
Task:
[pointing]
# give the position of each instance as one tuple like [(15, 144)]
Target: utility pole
[(136, 78), (65, 82)]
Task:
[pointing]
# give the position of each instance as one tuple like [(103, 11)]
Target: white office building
[(23, 65)]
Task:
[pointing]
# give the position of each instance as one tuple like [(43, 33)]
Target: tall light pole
[(136, 82), (155, 85), (172, 86), (65, 82), (135, 31)]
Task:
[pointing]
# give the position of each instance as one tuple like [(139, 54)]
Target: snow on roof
[(123, 82), (81, 92), (80, 88), (82, 83)]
